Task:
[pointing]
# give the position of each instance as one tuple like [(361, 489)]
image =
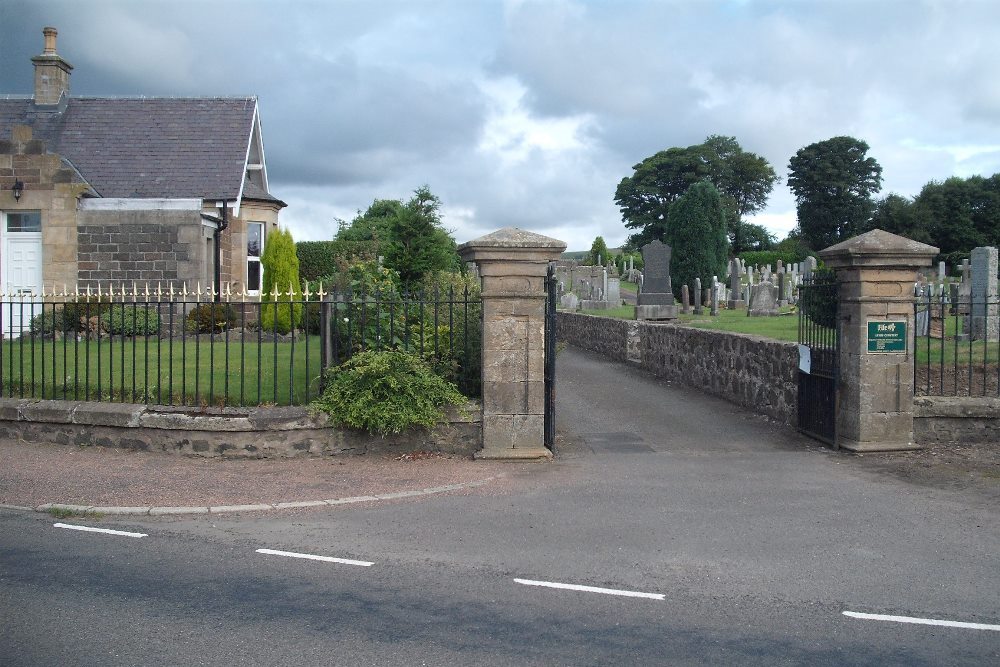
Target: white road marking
[(590, 589), (107, 531), (325, 559), (922, 621)]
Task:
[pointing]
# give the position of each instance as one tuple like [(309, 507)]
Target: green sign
[(887, 336)]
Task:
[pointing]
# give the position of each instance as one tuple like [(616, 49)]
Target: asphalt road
[(739, 541)]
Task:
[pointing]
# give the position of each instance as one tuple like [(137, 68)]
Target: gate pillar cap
[(511, 243), (878, 248)]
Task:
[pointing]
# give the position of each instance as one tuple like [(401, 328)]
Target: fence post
[(876, 272), (513, 264)]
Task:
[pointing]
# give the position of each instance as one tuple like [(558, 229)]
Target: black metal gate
[(550, 359), (820, 349)]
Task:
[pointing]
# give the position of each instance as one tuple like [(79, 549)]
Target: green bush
[(385, 392), (211, 318), (281, 276), (819, 304), (46, 322), (317, 258), (129, 320), (768, 258)]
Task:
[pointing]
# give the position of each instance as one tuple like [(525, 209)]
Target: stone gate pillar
[(876, 272), (513, 264)]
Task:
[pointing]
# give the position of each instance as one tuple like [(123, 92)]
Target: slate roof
[(253, 191), (146, 147)]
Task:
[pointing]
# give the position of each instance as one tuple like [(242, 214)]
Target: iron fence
[(200, 348), (957, 344)]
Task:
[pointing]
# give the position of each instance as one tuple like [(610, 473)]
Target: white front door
[(20, 271)]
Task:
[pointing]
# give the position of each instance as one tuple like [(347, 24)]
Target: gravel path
[(36, 474)]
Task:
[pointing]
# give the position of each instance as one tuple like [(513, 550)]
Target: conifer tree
[(281, 277), (698, 236)]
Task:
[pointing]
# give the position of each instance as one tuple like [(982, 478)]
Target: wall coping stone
[(183, 418), (956, 407)]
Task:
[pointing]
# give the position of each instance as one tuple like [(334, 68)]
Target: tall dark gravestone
[(656, 300)]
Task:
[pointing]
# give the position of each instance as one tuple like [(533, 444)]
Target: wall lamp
[(17, 188)]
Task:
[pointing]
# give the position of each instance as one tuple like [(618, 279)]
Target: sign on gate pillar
[(513, 264), (875, 272)]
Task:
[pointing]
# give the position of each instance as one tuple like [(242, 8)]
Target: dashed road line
[(325, 559), (922, 621), (590, 589), (106, 531)]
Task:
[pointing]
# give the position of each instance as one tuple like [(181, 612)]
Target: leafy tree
[(899, 215), (281, 309), (645, 197), (410, 236), (598, 252), (754, 238), (744, 180), (833, 182), (698, 236), (417, 242), (793, 246)]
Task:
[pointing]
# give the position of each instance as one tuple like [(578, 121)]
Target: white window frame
[(250, 259)]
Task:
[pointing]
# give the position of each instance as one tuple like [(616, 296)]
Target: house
[(121, 190)]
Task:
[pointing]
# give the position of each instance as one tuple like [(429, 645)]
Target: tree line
[(696, 198)]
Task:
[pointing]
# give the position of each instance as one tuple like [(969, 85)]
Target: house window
[(255, 246), (24, 221)]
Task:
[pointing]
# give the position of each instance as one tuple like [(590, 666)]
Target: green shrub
[(129, 320), (768, 258), (820, 304), (46, 322), (211, 318), (316, 258), (281, 276), (385, 392)]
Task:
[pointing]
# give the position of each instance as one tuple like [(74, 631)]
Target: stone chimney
[(51, 72)]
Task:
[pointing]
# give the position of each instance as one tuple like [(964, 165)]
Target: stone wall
[(279, 432), (140, 246), (603, 335), (756, 373), (969, 420)]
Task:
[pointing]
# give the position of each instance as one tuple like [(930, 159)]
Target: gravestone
[(985, 323), (941, 271), (685, 300), (698, 309), (763, 300), (735, 273), (569, 301), (782, 287), (715, 300), (656, 300), (614, 294), (810, 266)]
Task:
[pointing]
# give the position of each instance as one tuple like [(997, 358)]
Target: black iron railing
[(819, 337), (957, 344), (182, 348)]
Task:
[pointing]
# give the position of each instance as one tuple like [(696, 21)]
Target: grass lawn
[(192, 372), (783, 327)]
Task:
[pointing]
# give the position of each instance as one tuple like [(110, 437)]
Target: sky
[(528, 114)]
